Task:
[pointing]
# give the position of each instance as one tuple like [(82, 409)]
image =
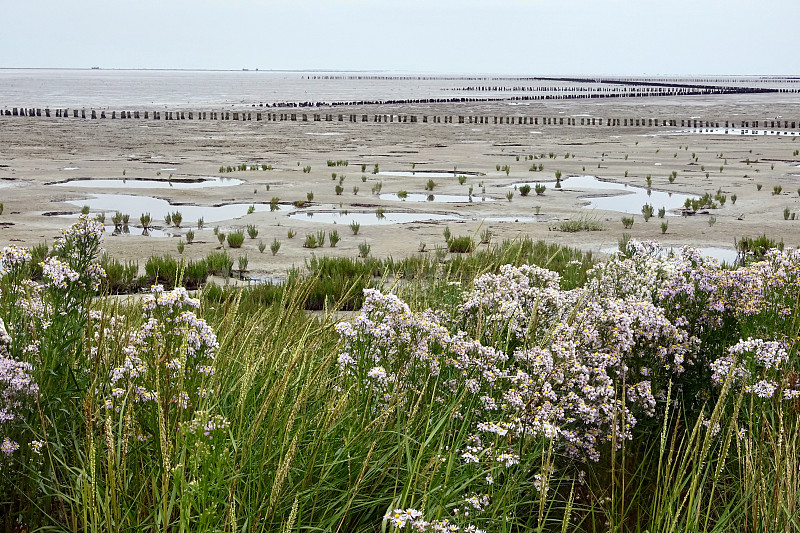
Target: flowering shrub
[(580, 368), (756, 365), (166, 377), (17, 389)]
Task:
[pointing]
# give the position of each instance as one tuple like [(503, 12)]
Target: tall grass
[(241, 411)]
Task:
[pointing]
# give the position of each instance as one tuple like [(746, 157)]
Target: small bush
[(627, 222), (161, 270), (525, 190), (580, 224), (647, 211), (195, 273), (219, 264), (460, 244), (311, 241), (235, 239), (120, 277)]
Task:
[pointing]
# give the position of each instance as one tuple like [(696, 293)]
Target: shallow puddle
[(149, 183), (426, 173), (514, 219), (435, 198), (629, 200), (723, 255), (158, 208), (727, 131), (368, 219)]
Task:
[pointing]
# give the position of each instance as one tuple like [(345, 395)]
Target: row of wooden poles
[(383, 118)]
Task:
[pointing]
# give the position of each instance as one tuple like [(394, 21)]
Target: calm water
[(148, 88), (626, 198)]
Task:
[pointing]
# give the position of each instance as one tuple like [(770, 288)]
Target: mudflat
[(161, 167)]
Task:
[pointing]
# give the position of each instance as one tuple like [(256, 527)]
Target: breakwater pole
[(394, 118)]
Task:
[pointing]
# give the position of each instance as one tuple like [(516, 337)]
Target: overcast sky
[(635, 37)]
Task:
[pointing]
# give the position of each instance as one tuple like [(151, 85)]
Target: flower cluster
[(16, 388), (13, 258), (171, 356), (756, 365), (58, 273), (525, 359), (78, 247), (412, 519)]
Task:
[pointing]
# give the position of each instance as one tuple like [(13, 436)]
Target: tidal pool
[(369, 219), (724, 255), (158, 208), (727, 131), (436, 198), (514, 219), (150, 183), (426, 173), (629, 200)]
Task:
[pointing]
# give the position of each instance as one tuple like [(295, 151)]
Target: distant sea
[(174, 88)]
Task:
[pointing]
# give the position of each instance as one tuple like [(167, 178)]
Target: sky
[(556, 37)]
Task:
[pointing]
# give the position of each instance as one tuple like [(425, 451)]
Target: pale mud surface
[(34, 152)]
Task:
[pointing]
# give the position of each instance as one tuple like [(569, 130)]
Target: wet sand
[(37, 152)]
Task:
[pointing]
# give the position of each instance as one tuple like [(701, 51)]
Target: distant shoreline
[(793, 76)]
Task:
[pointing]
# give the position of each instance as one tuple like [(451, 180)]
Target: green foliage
[(460, 244), (525, 190), (177, 218), (235, 239), (583, 223), (333, 238), (121, 277), (219, 264), (163, 270)]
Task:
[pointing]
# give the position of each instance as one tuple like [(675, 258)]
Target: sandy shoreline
[(36, 153)]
